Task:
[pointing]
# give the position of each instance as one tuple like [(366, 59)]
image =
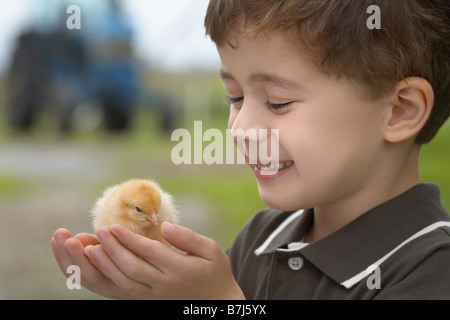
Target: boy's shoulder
[(407, 238), (416, 209), (420, 268)]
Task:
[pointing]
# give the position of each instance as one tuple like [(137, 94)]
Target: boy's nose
[(249, 121), (253, 136), (249, 131)]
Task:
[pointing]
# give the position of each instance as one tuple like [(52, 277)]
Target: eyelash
[(278, 107), (274, 107), (230, 100)]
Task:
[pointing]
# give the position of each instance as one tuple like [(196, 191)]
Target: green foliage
[(435, 163), (12, 187)]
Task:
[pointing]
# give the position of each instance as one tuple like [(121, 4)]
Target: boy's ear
[(410, 110)]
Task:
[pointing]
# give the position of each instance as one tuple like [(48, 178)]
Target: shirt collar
[(346, 254)]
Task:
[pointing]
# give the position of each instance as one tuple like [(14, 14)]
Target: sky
[(168, 33), (172, 32)]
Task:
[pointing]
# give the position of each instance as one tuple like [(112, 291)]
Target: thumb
[(187, 240)]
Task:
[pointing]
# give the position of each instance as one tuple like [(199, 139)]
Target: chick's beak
[(153, 218)]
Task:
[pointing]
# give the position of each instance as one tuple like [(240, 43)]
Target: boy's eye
[(270, 106), (231, 100), (278, 107)]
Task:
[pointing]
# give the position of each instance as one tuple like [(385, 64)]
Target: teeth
[(277, 166)]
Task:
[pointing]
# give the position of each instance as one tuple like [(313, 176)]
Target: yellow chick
[(139, 205)]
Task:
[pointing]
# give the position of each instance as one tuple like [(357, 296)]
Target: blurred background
[(82, 109)]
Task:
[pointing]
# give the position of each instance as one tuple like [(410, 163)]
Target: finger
[(91, 277), (187, 240), (68, 251), (59, 250), (87, 239), (104, 263), (127, 261), (154, 252)]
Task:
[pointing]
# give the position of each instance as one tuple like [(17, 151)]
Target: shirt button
[(295, 263)]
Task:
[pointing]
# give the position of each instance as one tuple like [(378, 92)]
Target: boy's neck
[(332, 216)]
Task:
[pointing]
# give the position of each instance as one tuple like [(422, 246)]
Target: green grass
[(435, 163), (12, 187)]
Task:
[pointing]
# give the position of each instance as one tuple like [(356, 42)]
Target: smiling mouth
[(274, 166)]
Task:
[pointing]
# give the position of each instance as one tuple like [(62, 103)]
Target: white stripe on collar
[(294, 246), (357, 278), (280, 228)]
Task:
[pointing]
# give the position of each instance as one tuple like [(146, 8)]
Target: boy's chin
[(278, 200)]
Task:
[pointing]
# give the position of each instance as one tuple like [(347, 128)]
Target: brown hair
[(414, 40)]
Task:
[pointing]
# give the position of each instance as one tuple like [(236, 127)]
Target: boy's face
[(329, 136)]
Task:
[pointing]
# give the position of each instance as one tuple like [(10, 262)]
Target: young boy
[(349, 218)]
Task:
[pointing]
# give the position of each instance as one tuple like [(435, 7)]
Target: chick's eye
[(138, 209)]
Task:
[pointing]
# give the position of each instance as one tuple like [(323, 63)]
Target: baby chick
[(139, 205)]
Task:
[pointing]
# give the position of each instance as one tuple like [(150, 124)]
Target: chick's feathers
[(139, 205)]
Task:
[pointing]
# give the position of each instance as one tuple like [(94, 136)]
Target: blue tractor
[(62, 68)]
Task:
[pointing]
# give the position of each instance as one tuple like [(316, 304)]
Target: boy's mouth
[(274, 166), (271, 170)]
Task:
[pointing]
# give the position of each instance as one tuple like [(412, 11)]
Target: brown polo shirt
[(398, 250)]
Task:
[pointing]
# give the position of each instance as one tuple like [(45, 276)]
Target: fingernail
[(167, 227), (97, 252), (115, 229), (88, 250), (102, 234), (70, 248), (60, 238)]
